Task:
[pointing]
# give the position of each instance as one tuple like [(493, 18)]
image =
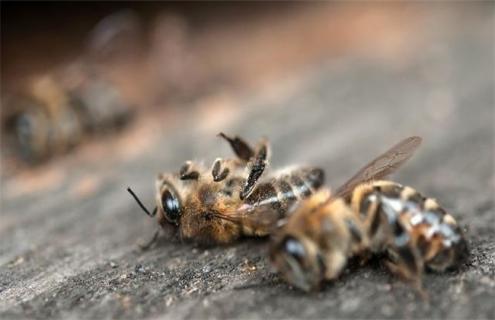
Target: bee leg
[(405, 270), (257, 166), (187, 172), (145, 246), (240, 147), (364, 257), (219, 170)]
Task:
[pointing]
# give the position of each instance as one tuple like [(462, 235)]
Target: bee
[(368, 216), (41, 121), (51, 117), (203, 204)]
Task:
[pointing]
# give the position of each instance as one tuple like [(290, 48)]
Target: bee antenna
[(152, 214)]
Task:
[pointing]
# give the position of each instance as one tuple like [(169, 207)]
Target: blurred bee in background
[(52, 115), (40, 122), (368, 216), (52, 112), (214, 205)]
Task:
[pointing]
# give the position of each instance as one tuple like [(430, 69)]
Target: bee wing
[(382, 166)]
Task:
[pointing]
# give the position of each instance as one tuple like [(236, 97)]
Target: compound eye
[(295, 248), (26, 127), (171, 206)]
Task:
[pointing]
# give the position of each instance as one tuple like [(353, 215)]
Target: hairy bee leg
[(414, 281), (219, 170), (187, 172), (241, 148), (257, 166), (145, 246)]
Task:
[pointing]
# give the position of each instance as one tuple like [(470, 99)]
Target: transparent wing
[(382, 166)]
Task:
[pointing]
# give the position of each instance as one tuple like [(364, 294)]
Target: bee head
[(27, 128), (299, 262), (168, 201)]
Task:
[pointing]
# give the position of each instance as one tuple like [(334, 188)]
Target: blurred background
[(97, 96), (76, 73)]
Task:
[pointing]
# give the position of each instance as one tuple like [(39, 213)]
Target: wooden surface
[(68, 248)]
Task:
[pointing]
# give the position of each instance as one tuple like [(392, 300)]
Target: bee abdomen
[(384, 205), (305, 181), (388, 197), (264, 194), (314, 177), (281, 192), (286, 194), (298, 185)]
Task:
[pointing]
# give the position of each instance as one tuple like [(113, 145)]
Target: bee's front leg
[(408, 268), (220, 169), (188, 171)]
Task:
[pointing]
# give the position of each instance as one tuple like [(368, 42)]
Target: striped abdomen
[(281, 192), (410, 227)]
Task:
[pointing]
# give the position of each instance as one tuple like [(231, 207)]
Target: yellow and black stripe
[(412, 228)]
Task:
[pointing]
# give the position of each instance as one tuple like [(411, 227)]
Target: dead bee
[(368, 217), (50, 117), (41, 122), (204, 204)]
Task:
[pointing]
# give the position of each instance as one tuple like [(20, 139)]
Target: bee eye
[(293, 247), (171, 206)]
